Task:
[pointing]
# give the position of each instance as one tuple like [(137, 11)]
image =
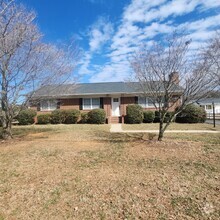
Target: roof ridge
[(88, 83), (98, 83)]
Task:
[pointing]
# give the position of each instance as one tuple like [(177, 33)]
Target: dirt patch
[(37, 135), (181, 150)]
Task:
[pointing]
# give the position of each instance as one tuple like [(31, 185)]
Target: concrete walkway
[(117, 128), (209, 121)]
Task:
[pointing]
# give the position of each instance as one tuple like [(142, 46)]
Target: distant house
[(207, 104), (113, 97)]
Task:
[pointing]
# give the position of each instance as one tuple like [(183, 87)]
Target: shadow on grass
[(116, 137), (205, 138), (19, 131)]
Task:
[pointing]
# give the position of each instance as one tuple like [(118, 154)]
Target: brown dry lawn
[(84, 172)]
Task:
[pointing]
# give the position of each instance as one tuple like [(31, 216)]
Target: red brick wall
[(33, 107), (69, 104), (131, 100), (74, 103), (124, 102), (107, 106)]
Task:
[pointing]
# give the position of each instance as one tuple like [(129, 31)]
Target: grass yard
[(173, 126), (85, 172)]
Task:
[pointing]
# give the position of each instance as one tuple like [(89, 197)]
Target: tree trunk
[(161, 131), (6, 119), (7, 132)]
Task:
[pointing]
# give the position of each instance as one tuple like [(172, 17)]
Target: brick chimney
[(174, 77)]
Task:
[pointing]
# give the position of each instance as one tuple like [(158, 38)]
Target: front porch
[(115, 120)]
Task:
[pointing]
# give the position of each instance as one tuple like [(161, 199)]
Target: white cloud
[(137, 10), (141, 22), (100, 33), (85, 64), (157, 28), (210, 3), (201, 36), (113, 72), (145, 11), (202, 24), (123, 51)]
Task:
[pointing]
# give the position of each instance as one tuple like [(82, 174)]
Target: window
[(48, 105), (91, 103), (208, 107), (95, 103), (86, 103), (146, 102), (142, 101), (150, 102)]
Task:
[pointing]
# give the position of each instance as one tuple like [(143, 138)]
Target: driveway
[(210, 121)]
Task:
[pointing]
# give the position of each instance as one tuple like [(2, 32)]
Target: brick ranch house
[(113, 97)]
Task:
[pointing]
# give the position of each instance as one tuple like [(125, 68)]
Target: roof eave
[(89, 94)]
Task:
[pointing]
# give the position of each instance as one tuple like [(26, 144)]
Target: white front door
[(116, 106)]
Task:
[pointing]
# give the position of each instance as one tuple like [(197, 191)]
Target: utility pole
[(213, 109)]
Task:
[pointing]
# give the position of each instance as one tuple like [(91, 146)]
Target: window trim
[(91, 104), (48, 104), (146, 104), (208, 107)]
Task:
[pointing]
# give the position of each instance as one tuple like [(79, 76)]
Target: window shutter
[(101, 103), (136, 99), (58, 104), (38, 106), (80, 104)]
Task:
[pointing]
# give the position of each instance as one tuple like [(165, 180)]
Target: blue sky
[(110, 31)]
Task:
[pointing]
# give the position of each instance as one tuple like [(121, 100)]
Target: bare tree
[(211, 56), (26, 62), (170, 76)]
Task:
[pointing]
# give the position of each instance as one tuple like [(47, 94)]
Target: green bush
[(166, 119), (84, 117), (149, 116), (157, 117), (168, 116), (44, 119), (192, 114), (97, 116), (134, 114), (71, 116), (58, 116), (65, 116), (26, 117)]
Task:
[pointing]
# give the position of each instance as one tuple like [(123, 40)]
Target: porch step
[(115, 120)]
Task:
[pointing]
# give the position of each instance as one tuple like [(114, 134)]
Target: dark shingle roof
[(66, 90), (209, 101)]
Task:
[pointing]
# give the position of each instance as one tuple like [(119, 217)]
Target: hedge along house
[(113, 97)]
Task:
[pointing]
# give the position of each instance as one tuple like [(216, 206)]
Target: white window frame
[(50, 105), (208, 107), (91, 106), (146, 104)]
